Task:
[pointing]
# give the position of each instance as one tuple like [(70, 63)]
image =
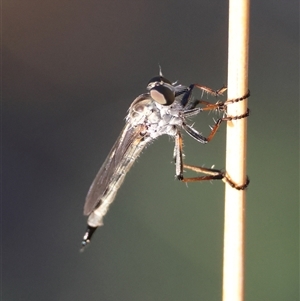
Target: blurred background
[(70, 71)]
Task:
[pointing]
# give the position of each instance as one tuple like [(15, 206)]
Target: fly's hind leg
[(209, 173), (213, 174)]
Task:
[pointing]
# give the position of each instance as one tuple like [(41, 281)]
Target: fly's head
[(161, 90)]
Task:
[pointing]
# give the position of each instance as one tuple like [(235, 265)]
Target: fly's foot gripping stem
[(230, 118), (222, 106), (228, 180), (247, 95)]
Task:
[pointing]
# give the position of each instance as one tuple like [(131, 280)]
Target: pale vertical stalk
[(233, 257)]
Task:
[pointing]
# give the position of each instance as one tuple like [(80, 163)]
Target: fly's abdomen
[(121, 169)]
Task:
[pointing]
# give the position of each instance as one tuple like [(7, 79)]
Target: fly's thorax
[(163, 120)]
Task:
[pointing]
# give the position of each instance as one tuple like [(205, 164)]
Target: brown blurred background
[(70, 71)]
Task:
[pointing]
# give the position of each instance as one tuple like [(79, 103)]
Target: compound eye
[(162, 95), (157, 80)]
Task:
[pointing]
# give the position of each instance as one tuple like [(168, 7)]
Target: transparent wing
[(112, 173)]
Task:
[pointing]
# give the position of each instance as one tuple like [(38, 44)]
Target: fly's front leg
[(192, 109), (220, 106), (207, 105), (209, 90), (213, 174)]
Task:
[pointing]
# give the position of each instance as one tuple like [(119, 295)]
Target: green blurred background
[(70, 71)]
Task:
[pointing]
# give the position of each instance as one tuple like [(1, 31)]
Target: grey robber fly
[(162, 110)]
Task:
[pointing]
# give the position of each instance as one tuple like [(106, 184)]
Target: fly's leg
[(210, 174), (190, 105), (178, 156), (191, 109), (213, 174), (226, 118), (200, 138)]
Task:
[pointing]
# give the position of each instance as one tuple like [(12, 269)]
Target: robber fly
[(162, 110)]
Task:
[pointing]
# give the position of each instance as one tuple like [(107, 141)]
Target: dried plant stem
[(233, 257)]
